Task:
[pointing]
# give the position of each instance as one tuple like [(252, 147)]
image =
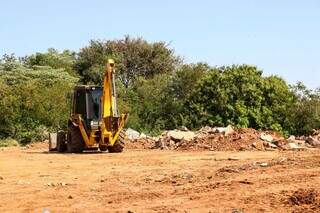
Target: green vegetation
[(155, 87), (8, 142)]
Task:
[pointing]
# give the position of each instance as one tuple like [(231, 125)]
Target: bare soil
[(33, 180)]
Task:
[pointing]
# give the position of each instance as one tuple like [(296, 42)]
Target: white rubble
[(132, 134), (180, 135), (266, 137)]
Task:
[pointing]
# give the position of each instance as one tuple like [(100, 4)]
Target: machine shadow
[(67, 153)]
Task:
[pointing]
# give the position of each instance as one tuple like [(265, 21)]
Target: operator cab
[(86, 102)]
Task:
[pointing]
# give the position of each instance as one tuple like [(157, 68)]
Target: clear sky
[(279, 36)]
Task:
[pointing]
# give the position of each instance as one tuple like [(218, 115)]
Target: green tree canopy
[(32, 99), (241, 96), (52, 58), (135, 57)]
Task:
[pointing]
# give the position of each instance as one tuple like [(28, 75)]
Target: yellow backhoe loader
[(94, 122)]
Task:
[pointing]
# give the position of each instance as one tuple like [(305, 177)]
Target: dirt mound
[(142, 143), (222, 139), (243, 139)]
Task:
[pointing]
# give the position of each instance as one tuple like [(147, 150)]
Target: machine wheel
[(103, 148), (75, 142), (118, 146), (61, 141)]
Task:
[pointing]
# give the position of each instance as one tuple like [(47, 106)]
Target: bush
[(240, 96), (8, 142), (32, 99)]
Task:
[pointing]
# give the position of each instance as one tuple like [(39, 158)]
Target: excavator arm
[(111, 123)]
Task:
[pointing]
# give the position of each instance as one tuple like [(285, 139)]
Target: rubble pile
[(221, 139)]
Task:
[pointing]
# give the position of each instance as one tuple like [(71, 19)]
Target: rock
[(142, 136), (313, 142), (158, 144), (292, 137), (132, 134), (45, 211), (270, 145), (258, 145), (264, 164), (233, 158), (270, 149), (183, 128), (229, 130), (292, 146), (266, 137), (1, 178), (281, 143), (236, 211), (300, 143), (70, 197), (161, 143), (220, 129), (207, 129), (177, 135), (172, 143)]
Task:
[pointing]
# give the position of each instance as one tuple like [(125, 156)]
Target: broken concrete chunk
[(313, 142), (266, 137), (281, 143), (132, 134), (178, 135), (220, 129), (292, 137), (183, 128), (292, 146), (207, 129), (229, 130), (270, 145), (264, 164), (258, 145), (143, 136)]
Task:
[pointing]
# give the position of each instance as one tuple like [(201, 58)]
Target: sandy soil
[(33, 180)]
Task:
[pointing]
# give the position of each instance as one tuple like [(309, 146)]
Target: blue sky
[(279, 36)]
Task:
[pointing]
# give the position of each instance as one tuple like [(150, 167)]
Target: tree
[(54, 59), (181, 86), (240, 96), (304, 115), (135, 57), (32, 100)]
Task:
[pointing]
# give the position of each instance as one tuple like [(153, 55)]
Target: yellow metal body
[(111, 123)]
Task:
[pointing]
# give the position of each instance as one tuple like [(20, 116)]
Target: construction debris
[(132, 134), (221, 139)]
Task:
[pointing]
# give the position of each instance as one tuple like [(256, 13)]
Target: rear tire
[(61, 141), (75, 141), (103, 148), (118, 146)]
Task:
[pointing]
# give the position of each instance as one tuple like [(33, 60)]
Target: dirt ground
[(33, 180)]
